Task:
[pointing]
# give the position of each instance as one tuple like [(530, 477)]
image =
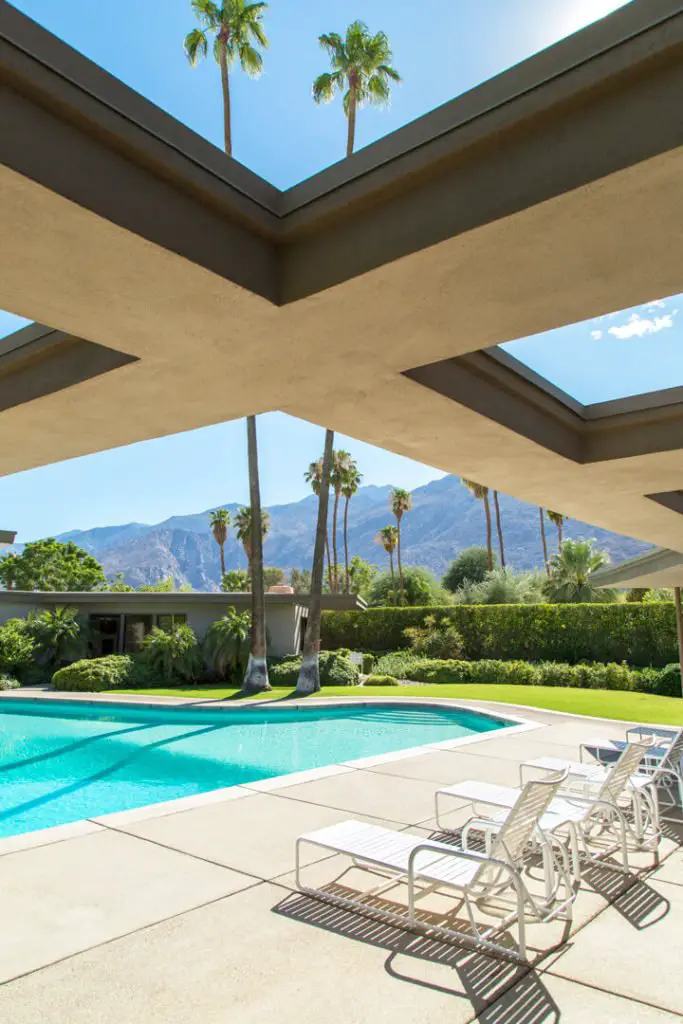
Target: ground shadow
[(631, 896), (480, 978)]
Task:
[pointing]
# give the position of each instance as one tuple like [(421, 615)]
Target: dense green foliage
[(58, 637), (640, 634), (172, 655), (92, 675), (51, 565), (17, 647), (571, 574), (335, 670), (236, 581), (226, 644), (374, 680), (419, 585), (8, 682), (611, 676), (503, 586), (470, 566)]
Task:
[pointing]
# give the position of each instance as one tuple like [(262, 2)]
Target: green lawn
[(633, 707)]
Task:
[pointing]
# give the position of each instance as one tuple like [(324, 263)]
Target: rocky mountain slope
[(445, 518)]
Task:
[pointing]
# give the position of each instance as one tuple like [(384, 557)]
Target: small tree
[(421, 588), (58, 635), (273, 576), (481, 493), (559, 520), (470, 566), (226, 643), (400, 502), (361, 575), (174, 655), (300, 581)]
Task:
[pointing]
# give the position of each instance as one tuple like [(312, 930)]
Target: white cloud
[(637, 326), (596, 335)]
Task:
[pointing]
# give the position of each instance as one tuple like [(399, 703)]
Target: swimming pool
[(61, 761)]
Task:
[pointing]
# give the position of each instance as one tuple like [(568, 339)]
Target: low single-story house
[(120, 621)]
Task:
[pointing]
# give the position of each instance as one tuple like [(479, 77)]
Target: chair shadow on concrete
[(631, 896), (482, 979)]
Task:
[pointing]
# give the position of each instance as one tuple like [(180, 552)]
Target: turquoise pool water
[(60, 762)]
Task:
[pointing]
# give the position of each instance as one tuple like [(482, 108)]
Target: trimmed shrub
[(639, 634), (335, 670), (17, 647), (368, 664), (92, 675), (381, 681), (8, 682), (669, 682), (398, 664)]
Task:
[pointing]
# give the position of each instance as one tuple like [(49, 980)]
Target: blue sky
[(283, 136)]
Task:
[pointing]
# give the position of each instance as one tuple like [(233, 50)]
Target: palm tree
[(572, 569), (256, 676), (361, 66), (559, 520), (314, 476), (225, 640), (545, 542), (309, 674), (236, 26), (219, 521), (481, 493), (243, 530), (350, 484), (499, 527), (400, 502), (340, 463), (388, 538)]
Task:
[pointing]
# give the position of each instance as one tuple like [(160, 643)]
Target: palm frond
[(195, 45), (208, 13), (376, 91), (325, 85), (251, 60)]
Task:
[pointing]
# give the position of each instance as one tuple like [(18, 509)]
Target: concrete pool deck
[(191, 914)]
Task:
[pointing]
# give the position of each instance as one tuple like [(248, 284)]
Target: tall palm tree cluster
[(481, 493), (400, 502), (345, 479)]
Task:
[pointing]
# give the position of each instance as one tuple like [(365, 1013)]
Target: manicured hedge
[(640, 634), (611, 676)]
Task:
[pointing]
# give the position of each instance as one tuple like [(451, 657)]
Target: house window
[(104, 635), (136, 629), (170, 622)]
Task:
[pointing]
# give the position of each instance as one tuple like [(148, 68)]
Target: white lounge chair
[(663, 760), (479, 879), (638, 797), (595, 824)]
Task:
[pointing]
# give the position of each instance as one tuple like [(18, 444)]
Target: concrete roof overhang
[(552, 193), (660, 568), (137, 598)]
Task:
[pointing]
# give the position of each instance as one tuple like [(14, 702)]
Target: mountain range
[(445, 518)]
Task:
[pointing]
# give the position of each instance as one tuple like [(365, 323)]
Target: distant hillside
[(445, 518)]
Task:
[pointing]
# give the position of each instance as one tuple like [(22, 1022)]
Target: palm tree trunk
[(351, 132), (256, 677), (334, 541), (346, 545), (560, 527), (398, 556), (225, 82), (222, 561), (309, 674), (500, 529), (545, 543), (679, 627), (393, 578), (329, 560), (489, 544)]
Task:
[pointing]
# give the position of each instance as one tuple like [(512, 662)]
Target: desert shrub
[(375, 680), (470, 566), (17, 647), (640, 634), (8, 682), (92, 675), (421, 587), (437, 638), (172, 657), (397, 664)]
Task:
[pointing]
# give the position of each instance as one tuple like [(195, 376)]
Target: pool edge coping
[(87, 826)]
